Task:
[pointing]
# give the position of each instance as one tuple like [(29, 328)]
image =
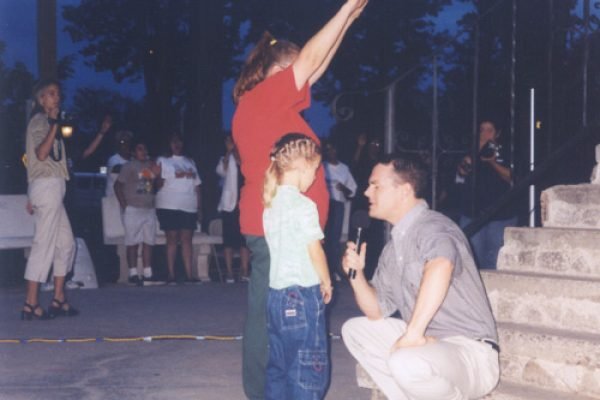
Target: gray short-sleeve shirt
[(421, 236)]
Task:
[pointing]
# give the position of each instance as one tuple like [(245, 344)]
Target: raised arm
[(106, 124), (317, 53), (44, 148)]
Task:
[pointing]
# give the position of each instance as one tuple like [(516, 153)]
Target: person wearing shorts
[(228, 170), (135, 191), (178, 205)]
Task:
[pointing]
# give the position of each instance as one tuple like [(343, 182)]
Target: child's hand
[(327, 292)]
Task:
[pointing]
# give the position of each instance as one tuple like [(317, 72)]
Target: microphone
[(360, 220)]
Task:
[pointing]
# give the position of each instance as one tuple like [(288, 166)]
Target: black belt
[(493, 344)]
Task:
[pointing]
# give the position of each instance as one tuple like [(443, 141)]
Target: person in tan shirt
[(53, 242)]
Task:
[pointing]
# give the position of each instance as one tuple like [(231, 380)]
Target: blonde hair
[(267, 52), (290, 148)]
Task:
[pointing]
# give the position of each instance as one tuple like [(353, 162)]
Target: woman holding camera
[(53, 242), (494, 178)]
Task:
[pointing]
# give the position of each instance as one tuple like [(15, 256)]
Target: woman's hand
[(106, 124), (358, 7), (29, 208)]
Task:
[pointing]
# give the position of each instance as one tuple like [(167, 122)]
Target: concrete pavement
[(157, 370)]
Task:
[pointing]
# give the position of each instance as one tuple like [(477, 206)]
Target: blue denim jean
[(486, 242), (298, 366)]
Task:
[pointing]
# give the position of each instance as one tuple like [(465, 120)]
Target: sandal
[(29, 315), (60, 310)]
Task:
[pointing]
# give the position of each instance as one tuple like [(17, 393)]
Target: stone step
[(511, 391), (550, 359), (552, 251), (571, 206), (544, 300), (504, 391)]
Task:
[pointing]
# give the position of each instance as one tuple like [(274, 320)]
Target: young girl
[(299, 282), (272, 90)]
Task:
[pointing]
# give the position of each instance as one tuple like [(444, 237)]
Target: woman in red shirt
[(273, 88)]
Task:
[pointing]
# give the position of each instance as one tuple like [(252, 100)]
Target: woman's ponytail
[(267, 51)]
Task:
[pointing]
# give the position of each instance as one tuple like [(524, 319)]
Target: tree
[(15, 89)]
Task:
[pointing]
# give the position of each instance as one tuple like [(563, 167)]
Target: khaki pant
[(453, 368), (53, 243)]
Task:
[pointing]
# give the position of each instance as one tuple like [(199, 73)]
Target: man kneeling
[(445, 344)]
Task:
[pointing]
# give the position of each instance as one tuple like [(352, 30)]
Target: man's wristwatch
[(52, 121)]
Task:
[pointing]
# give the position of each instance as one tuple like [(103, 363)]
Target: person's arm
[(505, 173), (317, 53), (43, 149), (435, 283), (118, 187), (361, 142), (364, 293), (221, 167), (106, 124), (319, 262)]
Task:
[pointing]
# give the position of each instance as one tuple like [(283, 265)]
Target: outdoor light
[(66, 131)]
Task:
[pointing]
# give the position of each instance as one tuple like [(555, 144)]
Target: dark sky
[(18, 31)]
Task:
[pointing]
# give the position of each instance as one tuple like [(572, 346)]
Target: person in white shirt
[(227, 168), (342, 187), (178, 205), (114, 163)]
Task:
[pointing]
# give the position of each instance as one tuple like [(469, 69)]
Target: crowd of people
[(428, 330)]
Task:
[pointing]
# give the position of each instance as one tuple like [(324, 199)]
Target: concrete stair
[(512, 391), (551, 251), (545, 296), (551, 359), (547, 301), (571, 206)]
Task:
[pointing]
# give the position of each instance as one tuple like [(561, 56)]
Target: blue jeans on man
[(486, 242), (298, 366)]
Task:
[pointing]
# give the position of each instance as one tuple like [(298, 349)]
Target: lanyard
[(53, 155)]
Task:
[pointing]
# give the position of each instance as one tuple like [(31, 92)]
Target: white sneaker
[(73, 285), (229, 280), (47, 287)]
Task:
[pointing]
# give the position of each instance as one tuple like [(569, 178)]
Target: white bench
[(16, 225), (114, 234), (16, 232)]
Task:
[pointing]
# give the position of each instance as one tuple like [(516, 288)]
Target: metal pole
[(434, 137), (475, 127), (513, 62), (550, 71), (388, 139), (390, 106), (531, 155), (586, 57)]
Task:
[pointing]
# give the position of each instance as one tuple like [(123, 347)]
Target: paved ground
[(171, 369)]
